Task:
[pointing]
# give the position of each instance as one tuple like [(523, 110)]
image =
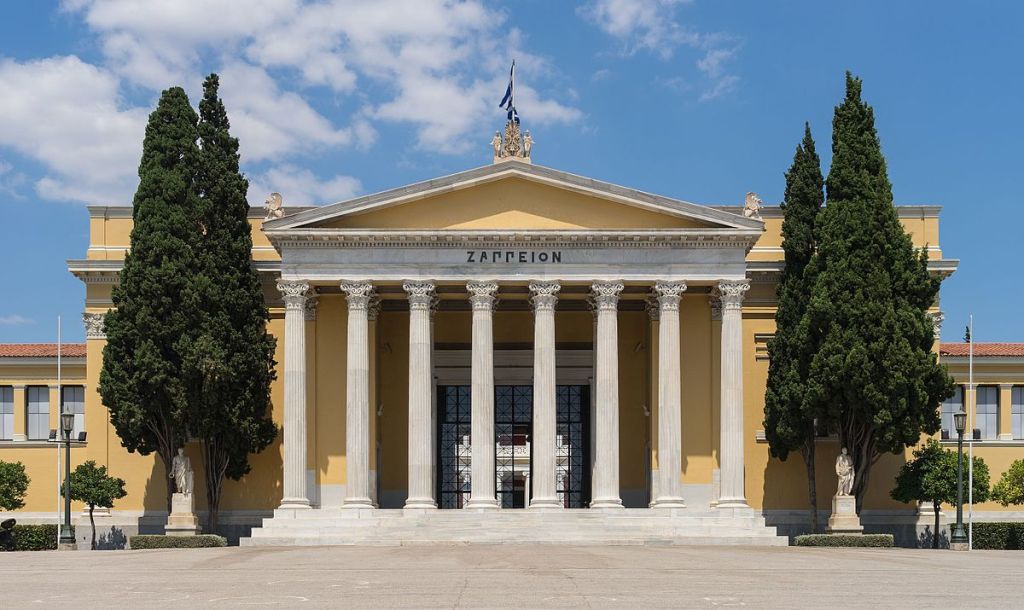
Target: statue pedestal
[(844, 519), (182, 521)]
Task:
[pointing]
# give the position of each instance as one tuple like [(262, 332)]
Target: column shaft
[(483, 480), (294, 474), (545, 409), (606, 471), (670, 445), (731, 452), (421, 447), (357, 396)]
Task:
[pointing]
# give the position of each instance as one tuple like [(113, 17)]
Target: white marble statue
[(527, 144), (752, 206), (274, 205), (844, 469), (181, 472), (496, 143)]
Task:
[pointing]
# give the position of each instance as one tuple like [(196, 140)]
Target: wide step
[(395, 527)]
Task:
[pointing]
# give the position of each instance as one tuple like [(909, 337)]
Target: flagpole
[(970, 441), (60, 521)]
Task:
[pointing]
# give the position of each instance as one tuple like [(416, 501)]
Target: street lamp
[(67, 424), (959, 538)]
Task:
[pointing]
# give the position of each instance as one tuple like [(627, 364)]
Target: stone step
[(696, 540)]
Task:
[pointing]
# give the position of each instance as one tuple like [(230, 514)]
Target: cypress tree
[(788, 417), (141, 381), (873, 377), (230, 366)]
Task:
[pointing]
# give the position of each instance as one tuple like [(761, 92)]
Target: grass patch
[(846, 540), (175, 542)]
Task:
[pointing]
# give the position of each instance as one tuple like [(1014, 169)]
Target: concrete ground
[(512, 576)]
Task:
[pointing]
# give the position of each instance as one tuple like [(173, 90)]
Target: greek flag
[(508, 102)]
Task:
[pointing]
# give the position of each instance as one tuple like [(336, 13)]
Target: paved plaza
[(512, 576)]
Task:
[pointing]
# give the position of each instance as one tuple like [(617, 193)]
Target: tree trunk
[(812, 483), (92, 522), (214, 466), (935, 535)]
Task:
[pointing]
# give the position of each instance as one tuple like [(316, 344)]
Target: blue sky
[(697, 100)]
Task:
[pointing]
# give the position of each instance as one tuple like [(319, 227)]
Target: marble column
[(421, 446), (670, 443), (357, 396), (294, 474), (482, 490), (606, 470), (730, 457), (545, 410)]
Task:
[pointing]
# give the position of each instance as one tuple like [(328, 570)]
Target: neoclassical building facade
[(534, 350)]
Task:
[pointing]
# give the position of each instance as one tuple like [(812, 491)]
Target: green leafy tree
[(1010, 488), (152, 325), (230, 365), (931, 477), (13, 485), (873, 376), (788, 416), (91, 485)]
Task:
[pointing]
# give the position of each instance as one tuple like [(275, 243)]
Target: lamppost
[(958, 541), (67, 424)]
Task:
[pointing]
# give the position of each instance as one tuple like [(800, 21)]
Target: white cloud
[(434, 65), (301, 187), (651, 25), (641, 24), (15, 320), (65, 114)]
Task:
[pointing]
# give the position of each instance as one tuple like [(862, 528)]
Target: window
[(74, 402), (1017, 412), (38, 412), (950, 406), (988, 411), (6, 413)]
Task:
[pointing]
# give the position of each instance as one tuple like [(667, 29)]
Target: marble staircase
[(391, 527)]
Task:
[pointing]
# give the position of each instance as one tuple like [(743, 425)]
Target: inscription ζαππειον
[(521, 257)]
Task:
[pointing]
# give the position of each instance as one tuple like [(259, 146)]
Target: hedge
[(35, 537), (846, 540), (1007, 536), (175, 542)]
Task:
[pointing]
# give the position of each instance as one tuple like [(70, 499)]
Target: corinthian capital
[(732, 292), (359, 294), (545, 295), (606, 294), (294, 293), (668, 294), (481, 294), (421, 294)]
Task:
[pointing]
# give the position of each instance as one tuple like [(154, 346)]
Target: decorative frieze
[(95, 325)]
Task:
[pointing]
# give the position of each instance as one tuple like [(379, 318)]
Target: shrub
[(175, 542), (846, 540), (35, 537), (13, 485), (999, 536)]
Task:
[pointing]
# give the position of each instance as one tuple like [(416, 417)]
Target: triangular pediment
[(513, 196)]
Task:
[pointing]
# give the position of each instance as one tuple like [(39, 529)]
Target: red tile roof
[(983, 350), (41, 350)]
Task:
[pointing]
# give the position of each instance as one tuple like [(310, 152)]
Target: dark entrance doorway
[(513, 428)]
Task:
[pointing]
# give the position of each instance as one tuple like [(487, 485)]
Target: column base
[(606, 503), (294, 503), (481, 504), (420, 504), (545, 503), (668, 502), (357, 503), (732, 503)]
